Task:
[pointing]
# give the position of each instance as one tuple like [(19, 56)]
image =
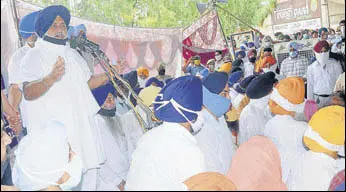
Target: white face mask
[(322, 58), (198, 125), (343, 31), (218, 57), (74, 169)]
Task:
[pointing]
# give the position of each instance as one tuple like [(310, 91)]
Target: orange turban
[(209, 182), (288, 97), (256, 166), (326, 132), (143, 71)]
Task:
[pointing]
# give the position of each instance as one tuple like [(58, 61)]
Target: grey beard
[(115, 126)]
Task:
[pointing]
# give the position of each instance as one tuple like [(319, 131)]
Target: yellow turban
[(326, 132), (288, 96), (143, 71), (149, 94), (226, 67)]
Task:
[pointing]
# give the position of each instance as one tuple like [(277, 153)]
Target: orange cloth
[(259, 61), (291, 88), (209, 182), (329, 123), (267, 62), (256, 166), (143, 71)]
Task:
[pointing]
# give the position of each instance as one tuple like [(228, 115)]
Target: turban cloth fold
[(320, 45)]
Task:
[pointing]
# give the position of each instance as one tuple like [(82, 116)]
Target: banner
[(205, 33)]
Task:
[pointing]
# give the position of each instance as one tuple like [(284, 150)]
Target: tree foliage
[(164, 13)]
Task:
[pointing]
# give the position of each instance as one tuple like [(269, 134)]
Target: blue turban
[(101, 93), (261, 86), (251, 44), (215, 82), (241, 53), (235, 77), (180, 100), (323, 29), (131, 78), (293, 45), (27, 24), (79, 28), (47, 16), (71, 31), (154, 80), (242, 86)]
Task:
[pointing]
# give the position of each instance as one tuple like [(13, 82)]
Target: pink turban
[(256, 166)]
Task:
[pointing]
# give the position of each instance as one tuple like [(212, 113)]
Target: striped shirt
[(292, 67)]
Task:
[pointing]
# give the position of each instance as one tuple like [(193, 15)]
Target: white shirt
[(248, 69), (237, 100), (165, 157), (287, 134), (215, 142), (312, 172), (14, 76), (116, 166), (233, 93), (69, 100), (253, 119), (14, 65), (322, 78)]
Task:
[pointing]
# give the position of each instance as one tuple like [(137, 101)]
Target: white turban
[(41, 158)]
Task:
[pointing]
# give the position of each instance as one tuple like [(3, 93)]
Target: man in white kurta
[(287, 100), (114, 171), (256, 114), (57, 85), (27, 32), (322, 75), (324, 138), (215, 139), (168, 155)]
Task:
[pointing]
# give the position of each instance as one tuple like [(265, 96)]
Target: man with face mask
[(75, 36), (211, 65), (194, 67), (27, 32), (168, 155), (57, 83), (218, 59), (113, 172), (322, 75), (256, 114), (45, 161), (143, 75), (295, 64), (249, 66), (215, 139), (162, 73), (323, 34)]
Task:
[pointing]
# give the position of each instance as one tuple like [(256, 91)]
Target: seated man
[(168, 155), (45, 160)]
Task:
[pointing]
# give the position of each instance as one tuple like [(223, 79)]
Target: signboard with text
[(292, 15)]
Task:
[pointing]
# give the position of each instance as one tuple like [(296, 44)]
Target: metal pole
[(223, 33)]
